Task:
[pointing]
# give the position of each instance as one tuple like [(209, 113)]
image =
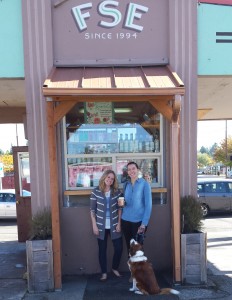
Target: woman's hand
[(118, 227), (141, 229), (95, 230)]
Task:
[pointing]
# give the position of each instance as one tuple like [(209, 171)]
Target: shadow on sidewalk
[(118, 288)]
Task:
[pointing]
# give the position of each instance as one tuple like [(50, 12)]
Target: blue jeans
[(102, 246)]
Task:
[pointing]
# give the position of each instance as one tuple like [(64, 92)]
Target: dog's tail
[(166, 291)]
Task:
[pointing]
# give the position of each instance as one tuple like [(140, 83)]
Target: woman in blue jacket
[(106, 220), (137, 211)]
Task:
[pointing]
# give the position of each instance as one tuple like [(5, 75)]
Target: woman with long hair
[(106, 220)]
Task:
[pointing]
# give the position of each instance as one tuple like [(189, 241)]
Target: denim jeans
[(102, 255)]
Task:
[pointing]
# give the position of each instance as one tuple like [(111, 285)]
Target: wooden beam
[(163, 107), (53, 92), (62, 109), (54, 195), (175, 199), (114, 98), (176, 105), (201, 112), (88, 192)]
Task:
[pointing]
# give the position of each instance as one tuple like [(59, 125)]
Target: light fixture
[(117, 110), (122, 110)]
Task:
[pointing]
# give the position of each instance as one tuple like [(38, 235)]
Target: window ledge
[(88, 192)]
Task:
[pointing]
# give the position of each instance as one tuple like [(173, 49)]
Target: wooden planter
[(40, 266), (193, 258)]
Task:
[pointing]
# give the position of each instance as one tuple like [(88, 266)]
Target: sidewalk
[(14, 287)]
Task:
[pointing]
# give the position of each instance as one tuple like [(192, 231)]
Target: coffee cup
[(121, 201)]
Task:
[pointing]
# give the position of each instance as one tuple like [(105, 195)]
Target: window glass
[(86, 172), (221, 187), (209, 188), (1, 197), (148, 169), (230, 186), (24, 174), (9, 197), (200, 188), (112, 138), (102, 136)]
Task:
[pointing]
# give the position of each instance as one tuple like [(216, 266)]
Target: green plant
[(41, 225), (191, 215)]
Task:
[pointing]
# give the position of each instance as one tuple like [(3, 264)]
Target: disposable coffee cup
[(121, 201)]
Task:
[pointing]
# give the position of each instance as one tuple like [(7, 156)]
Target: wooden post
[(54, 195), (175, 199)]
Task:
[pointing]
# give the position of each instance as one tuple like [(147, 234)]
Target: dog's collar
[(139, 256)]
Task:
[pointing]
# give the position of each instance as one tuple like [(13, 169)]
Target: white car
[(8, 203)]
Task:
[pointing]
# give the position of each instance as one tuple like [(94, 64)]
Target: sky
[(208, 133), (11, 135)]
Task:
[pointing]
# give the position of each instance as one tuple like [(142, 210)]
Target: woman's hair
[(132, 163), (102, 184)]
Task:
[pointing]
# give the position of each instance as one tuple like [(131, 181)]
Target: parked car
[(214, 194), (8, 203)]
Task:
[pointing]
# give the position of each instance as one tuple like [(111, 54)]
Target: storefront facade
[(102, 89)]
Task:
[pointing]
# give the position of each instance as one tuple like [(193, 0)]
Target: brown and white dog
[(144, 280)]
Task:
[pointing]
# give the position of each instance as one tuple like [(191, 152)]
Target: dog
[(144, 280)]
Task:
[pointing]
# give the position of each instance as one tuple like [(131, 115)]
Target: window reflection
[(126, 135)]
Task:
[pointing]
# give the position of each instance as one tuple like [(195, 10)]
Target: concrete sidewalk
[(14, 287)]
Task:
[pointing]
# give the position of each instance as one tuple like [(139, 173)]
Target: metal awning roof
[(131, 81)]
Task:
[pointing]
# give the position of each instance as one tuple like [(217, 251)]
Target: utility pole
[(17, 137)]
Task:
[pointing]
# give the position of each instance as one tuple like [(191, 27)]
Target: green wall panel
[(11, 39), (214, 39)]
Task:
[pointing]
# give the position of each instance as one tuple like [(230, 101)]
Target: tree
[(204, 160), (222, 154), (7, 161), (204, 150), (213, 149)]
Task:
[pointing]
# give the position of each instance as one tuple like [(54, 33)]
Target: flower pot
[(193, 258), (40, 266)]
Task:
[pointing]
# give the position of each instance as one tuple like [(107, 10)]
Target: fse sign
[(110, 32), (108, 9)]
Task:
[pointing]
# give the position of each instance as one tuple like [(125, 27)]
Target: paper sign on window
[(98, 112)]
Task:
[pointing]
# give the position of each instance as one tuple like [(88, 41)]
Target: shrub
[(191, 215), (41, 225)]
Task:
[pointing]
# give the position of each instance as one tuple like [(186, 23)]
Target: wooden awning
[(112, 81)]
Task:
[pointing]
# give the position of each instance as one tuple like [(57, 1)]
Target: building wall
[(183, 59), (38, 53), (214, 38), (11, 41), (37, 39)]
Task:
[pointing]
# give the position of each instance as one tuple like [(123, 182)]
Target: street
[(8, 230), (219, 244)]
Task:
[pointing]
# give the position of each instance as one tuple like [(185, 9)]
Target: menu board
[(98, 112)]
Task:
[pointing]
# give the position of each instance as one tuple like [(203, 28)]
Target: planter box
[(193, 258), (40, 266)]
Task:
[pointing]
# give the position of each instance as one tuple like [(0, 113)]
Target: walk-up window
[(68, 89), (100, 136)]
